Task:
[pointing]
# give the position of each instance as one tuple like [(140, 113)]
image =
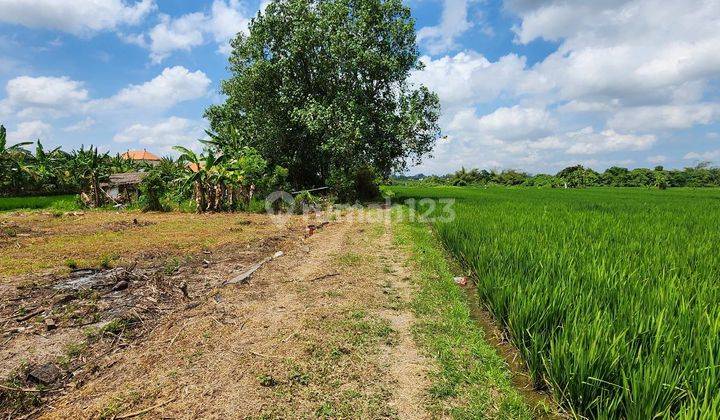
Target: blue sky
[(527, 84)]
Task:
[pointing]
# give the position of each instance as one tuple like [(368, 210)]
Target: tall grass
[(611, 295), (56, 202)]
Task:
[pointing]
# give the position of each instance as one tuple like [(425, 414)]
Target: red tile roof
[(139, 155)]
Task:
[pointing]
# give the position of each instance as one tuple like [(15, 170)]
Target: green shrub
[(152, 190), (304, 201), (107, 260), (255, 206)]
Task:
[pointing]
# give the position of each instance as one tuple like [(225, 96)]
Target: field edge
[(473, 381)]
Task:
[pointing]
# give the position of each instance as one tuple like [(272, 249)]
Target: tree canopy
[(320, 87)]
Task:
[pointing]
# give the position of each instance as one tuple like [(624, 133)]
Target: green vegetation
[(226, 181), (227, 178), (56, 202), (328, 97), (471, 372), (701, 175), (610, 295), (23, 172)]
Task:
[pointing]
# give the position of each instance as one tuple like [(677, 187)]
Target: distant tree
[(660, 180), (578, 177), (640, 177), (615, 177), (321, 88), (542, 180), (197, 174), (511, 177)]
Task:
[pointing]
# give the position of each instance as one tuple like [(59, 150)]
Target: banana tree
[(93, 166), (246, 170), (119, 164), (13, 163), (195, 176), (46, 168)]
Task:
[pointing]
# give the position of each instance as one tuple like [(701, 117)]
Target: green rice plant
[(611, 295), (56, 202)]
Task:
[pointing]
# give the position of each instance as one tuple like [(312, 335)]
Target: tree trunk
[(210, 198), (237, 197), (199, 197), (96, 191), (219, 192)]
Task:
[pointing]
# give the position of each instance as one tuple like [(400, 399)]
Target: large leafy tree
[(321, 88)]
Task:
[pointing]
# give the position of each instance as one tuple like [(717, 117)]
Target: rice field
[(54, 202), (611, 295)]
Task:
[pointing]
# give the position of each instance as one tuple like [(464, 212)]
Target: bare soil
[(322, 331)]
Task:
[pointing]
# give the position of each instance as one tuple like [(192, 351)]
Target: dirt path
[(406, 364), (323, 331)]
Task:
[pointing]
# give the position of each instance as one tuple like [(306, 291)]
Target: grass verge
[(473, 381)]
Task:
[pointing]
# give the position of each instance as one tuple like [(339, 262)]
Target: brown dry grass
[(323, 331), (48, 242)]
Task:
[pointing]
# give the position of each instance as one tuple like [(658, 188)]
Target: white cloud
[(79, 17), (81, 125), (29, 131), (705, 156), (225, 19), (163, 135), (173, 85), (453, 23), (624, 48), (468, 78), (620, 67), (505, 124), (588, 142), (30, 96), (40, 97), (657, 159), (582, 106), (665, 116), (170, 35)]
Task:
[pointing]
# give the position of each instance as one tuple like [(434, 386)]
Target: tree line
[(216, 181), (27, 168), (578, 176)]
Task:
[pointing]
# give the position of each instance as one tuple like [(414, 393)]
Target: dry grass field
[(37, 243)]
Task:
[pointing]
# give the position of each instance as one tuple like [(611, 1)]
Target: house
[(142, 156), (123, 188)]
